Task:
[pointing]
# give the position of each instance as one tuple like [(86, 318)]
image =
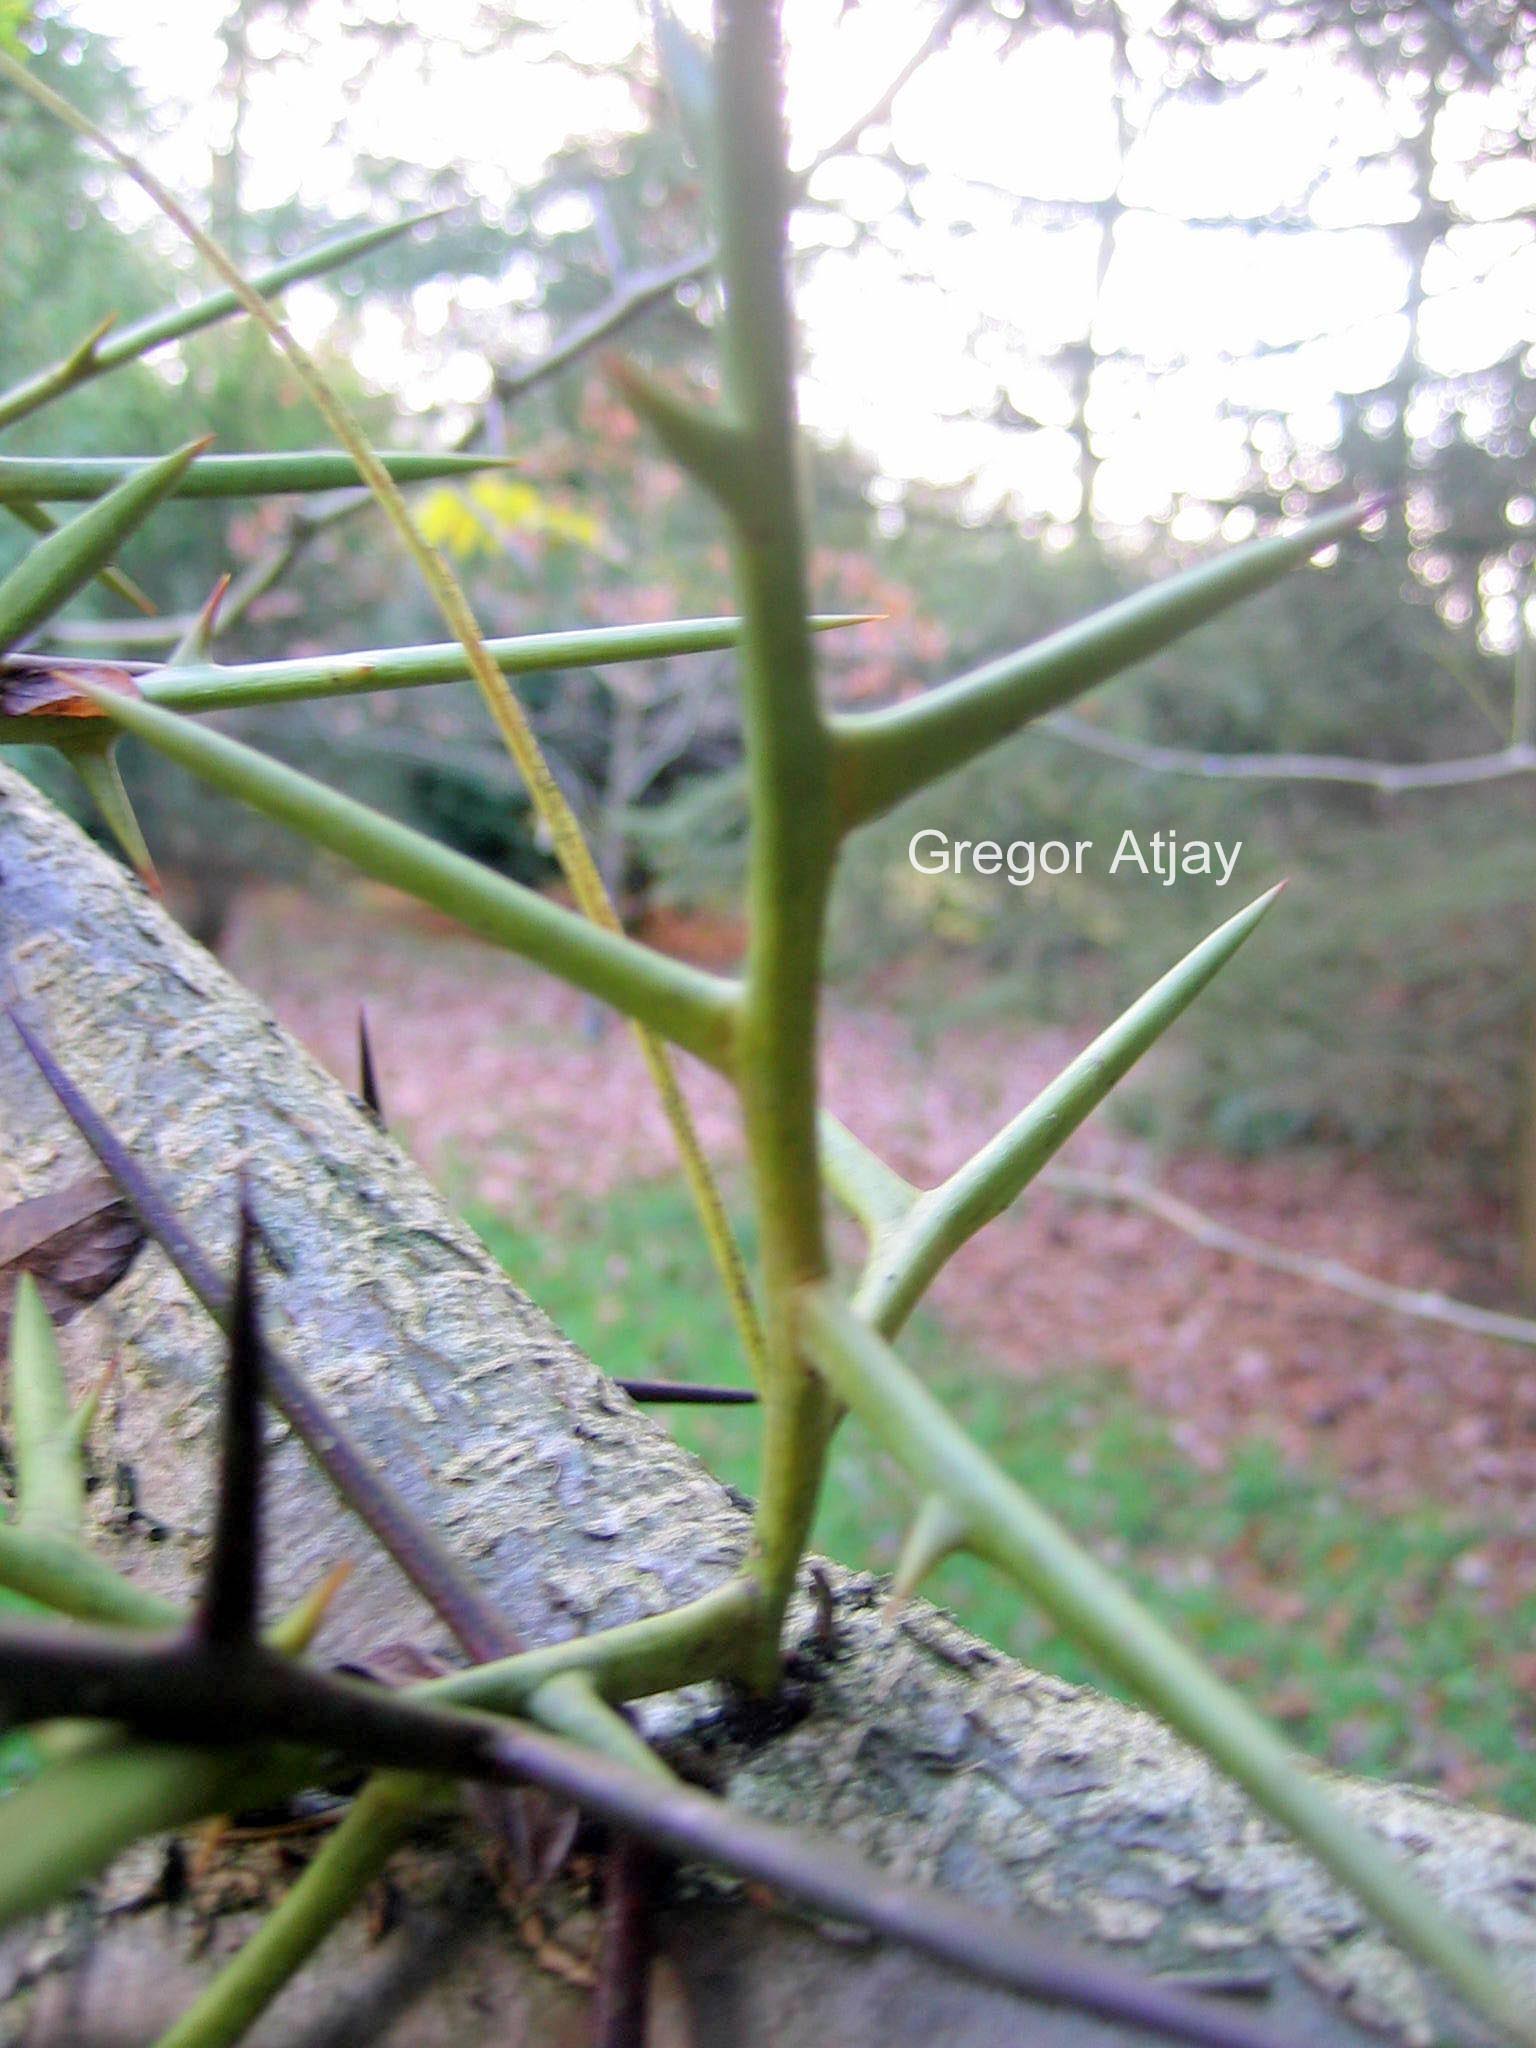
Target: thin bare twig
[(879, 109), (635, 295), (1424, 1304), (1392, 778)]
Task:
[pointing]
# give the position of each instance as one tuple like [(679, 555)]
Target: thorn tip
[(226, 1616)]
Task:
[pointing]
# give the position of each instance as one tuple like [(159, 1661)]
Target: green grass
[(1353, 1627)]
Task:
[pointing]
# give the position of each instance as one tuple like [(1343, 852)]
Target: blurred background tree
[(1268, 254)]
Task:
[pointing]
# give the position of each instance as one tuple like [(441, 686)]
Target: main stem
[(789, 757)]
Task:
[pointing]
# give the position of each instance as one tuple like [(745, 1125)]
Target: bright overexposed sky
[(911, 335)]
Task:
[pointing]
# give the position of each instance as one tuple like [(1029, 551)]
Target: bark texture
[(924, 1747)]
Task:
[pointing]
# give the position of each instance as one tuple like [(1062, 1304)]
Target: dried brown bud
[(49, 686)]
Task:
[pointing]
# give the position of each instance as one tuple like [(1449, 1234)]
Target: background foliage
[(1410, 917)]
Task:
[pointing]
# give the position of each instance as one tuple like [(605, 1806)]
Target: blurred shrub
[(1387, 1005)]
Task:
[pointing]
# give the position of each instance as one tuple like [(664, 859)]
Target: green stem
[(1004, 1525), (352, 1858), (789, 763), (706, 1638)]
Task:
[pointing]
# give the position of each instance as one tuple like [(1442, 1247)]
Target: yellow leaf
[(480, 519)]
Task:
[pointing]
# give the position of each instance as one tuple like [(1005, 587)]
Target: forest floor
[(1247, 1394)]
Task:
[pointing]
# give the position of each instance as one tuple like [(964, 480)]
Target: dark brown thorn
[(824, 1594), (632, 1877), (678, 1391), (231, 1596), (431, 1568), (367, 1072), (161, 1687)]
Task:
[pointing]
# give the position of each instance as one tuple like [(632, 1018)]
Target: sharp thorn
[(368, 1073), (677, 1392), (936, 1533), (297, 1629), (196, 644), (80, 356), (707, 443), (227, 1611), (83, 1421), (97, 768)]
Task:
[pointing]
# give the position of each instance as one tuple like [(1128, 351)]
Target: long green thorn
[(693, 1009), (96, 355), (884, 756), (908, 1255), (109, 578), (95, 762), (51, 481), (1009, 1528), (50, 1480), (206, 685), (50, 574)]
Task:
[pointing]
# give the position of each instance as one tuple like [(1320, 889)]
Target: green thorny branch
[(813, 779), (566, 837)]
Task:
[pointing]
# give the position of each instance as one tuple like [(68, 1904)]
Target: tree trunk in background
[(1522, 730), (928, 1750), (1082, 363), (226, 182)]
